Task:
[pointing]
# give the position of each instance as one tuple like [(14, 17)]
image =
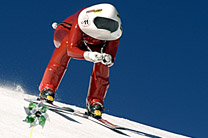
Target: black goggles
[(105, 23)]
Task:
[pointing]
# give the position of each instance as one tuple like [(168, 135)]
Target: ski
[(57, 108), (101, 121), (68, 110)]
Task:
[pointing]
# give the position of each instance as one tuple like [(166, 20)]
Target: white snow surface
[(12, 115)]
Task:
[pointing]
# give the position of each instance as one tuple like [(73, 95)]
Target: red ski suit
[(73, 43)]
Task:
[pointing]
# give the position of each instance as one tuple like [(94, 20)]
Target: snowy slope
[(12, 126)]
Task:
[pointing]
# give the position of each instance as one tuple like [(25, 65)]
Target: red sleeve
[(111, 48), (75, 41)]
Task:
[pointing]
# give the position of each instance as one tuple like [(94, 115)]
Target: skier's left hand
[(107, 59)]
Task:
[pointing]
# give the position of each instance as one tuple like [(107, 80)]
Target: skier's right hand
[(93, 56)]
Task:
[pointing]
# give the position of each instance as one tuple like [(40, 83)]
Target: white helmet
[(101, 22)]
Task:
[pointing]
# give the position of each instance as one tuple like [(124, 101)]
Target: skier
[(92, 34)]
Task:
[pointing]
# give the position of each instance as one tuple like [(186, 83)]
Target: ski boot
[(47, 95), (95, 108)]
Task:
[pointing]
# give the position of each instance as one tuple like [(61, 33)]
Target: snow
[(12, 126)]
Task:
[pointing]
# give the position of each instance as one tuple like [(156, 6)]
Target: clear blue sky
[(160, 76)]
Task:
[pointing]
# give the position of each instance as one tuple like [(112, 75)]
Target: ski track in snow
[(12, 126)]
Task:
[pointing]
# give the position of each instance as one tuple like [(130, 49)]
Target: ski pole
[(31, 132)]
